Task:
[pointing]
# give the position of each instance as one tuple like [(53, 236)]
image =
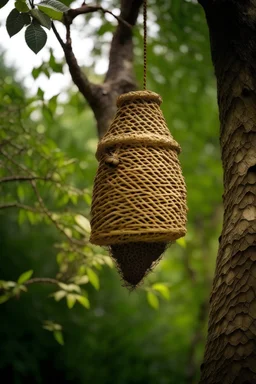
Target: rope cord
[(145, 44)]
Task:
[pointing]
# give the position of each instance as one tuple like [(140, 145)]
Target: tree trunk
[(230, 355)]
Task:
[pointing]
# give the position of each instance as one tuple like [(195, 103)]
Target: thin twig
[(58, 36), (16, 204), (67, 23), (57, 183), (43, 280), (75, 250), (88, 89), (71, 14), (48, 214), (80, 80), (5, 142), (18, 165), (23, 178)]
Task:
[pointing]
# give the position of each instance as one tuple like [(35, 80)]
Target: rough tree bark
[(230, 355)]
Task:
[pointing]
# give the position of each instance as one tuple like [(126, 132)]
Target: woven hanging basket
[(139, 195)]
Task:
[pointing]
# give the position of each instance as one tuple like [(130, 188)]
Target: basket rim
[(163, 235), (136, 95)]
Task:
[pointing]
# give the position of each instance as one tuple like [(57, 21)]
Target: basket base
[(134, 260)]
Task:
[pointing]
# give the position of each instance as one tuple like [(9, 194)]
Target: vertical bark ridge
[(230, 355)]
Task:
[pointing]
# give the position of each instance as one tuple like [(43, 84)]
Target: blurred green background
[(155, 334)]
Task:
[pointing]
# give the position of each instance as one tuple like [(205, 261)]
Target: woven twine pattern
[(139, 192), (138, 120)]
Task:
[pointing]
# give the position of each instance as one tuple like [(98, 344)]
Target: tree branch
[(71, 14), (121, 52), (120, 76), (80, 80), (23, 178), (16, 204), (49, 215), (14, 162), (56, 33), (42, 280)]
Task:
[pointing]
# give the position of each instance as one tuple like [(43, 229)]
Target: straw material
[(139, 192)]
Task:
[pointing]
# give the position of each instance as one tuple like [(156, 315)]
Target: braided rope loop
[(145, 7)]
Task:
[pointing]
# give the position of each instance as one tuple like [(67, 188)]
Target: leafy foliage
[(34, 177), (53, 6), (43, 19), (16, 21), (21, 6), (34, 17)]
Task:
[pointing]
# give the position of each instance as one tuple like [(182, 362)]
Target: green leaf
[(3, 2), (153, 300), (88, 199), (47, 114), (35, 37), (40, 93), (70, 287), (23, 288), (163, 289), (21, 6), (74, 287), (18, 289), (83, 301), (81, 280), (43, 68), (58, 336), (83, 222), (51, 326), (16, 21), (73, 198), (4, 298), (36, 72), (59, 295), (63, 286), (25, 276), (43, 19), (7, 284), (56, 67), (71, 300), (31, 217), (107, 260), (54, 9), (56, 5), (52, 103), (103, 29), (51, 12), (93, 278), (21, 193), (182, 242)]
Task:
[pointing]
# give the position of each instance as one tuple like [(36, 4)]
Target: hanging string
[(145, 44)]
